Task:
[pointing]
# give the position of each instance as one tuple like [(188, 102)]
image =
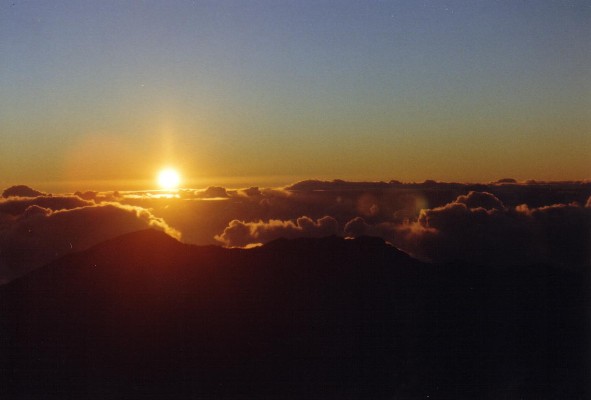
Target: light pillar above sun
[(169, 179)]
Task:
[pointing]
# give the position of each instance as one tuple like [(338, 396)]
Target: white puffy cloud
[(242, 234)]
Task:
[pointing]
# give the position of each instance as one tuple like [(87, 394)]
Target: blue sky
[(285, 90)]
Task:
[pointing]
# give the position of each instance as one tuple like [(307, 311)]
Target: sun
[(169, 179)]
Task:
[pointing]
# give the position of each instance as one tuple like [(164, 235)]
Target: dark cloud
[(491, 223), (477, 228), (17, 205), (242, 234), (213, 192), (508, 180), (88, 195), (338, 184), (484, 200), (357, 227), (562, 232), (21, 191), (456, 232), (557, 234), (434, 220), (251, 191), (40, 234), (436, 194)]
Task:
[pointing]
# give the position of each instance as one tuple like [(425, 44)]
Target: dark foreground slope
[(144, 316)]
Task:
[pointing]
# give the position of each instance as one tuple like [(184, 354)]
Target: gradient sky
[(104, 93)]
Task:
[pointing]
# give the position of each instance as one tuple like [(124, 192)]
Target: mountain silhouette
[(145, 316)]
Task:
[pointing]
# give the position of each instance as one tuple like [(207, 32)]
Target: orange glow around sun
[(169, 179)]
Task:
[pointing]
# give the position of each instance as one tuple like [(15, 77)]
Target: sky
[(101, 95)]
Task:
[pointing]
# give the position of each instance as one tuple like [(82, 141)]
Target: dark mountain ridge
[(145, 316)]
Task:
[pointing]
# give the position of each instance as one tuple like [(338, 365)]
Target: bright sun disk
[(169, 179)]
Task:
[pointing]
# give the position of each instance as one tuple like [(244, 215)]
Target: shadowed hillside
[(144, 316)]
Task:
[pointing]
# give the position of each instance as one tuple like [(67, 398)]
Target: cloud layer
[(496, 223), (35, 231), (241, 234), (478, 228)]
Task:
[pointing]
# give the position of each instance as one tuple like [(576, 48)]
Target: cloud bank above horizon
[(499, 223)]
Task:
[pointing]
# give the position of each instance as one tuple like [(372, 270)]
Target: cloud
[(477, 228), (21, 191), (88, 195), (40, 234), (484, 200), (437, 194), (480, 223), (561, 231), (359, 227), (506, 180), (457, 232), (458, 221), (242, 234), (251, 191), (17, 205), (212, 192)]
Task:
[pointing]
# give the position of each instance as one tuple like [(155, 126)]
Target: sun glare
[(169, 179)]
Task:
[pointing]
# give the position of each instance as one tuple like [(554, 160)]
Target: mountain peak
[(225, 323), (142, 241), (144, 237)]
